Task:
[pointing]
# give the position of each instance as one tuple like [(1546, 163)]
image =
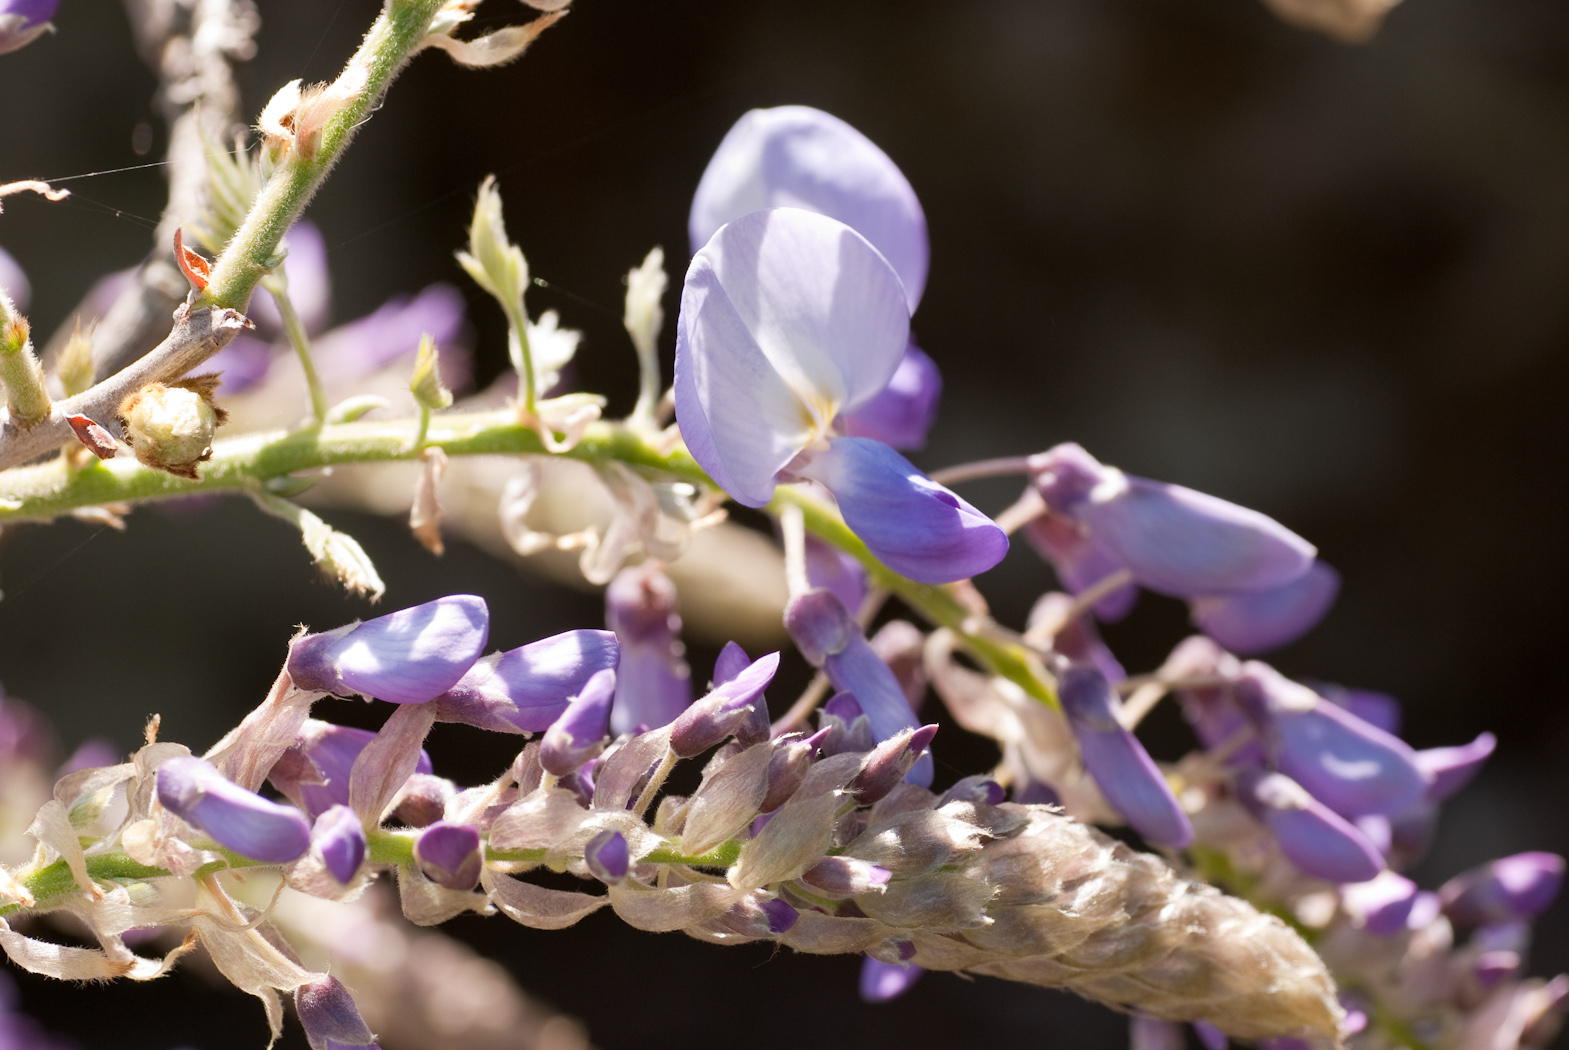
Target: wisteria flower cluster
[(1253, 889)]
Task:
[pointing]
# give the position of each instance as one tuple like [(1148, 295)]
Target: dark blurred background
[(1327, 282)]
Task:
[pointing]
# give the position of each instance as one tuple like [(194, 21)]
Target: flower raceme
[(788, 319)]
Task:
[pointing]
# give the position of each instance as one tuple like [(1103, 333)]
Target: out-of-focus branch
[(193, 46)]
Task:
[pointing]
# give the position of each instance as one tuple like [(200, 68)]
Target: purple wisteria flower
[(449, 854), (903, 411), (579, 734), (1311, 835), (735, 706), (653, 683), (799, 157), (339, 837), (330, 1018), (1258, 621), (789, 318), (1513, 889), (410, 656), (23, 21), (608, 857), (193, 790), (524, 690), (314, 773)]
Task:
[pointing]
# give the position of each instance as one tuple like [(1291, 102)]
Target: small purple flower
[(193, 790), (449, 854), (339, 837), (789, 318), (1123, 770), (608, 857), (889, 762), (735, 705), (903, 412), (410, 656), (579, 734), (1311, 835), (524, 690), (882, 981), (330, 1018), (1258, 621), (23, 21), (799, 157), (1511, 889), (653, 682), (1352, 767), (314, 774), (1172, 539), (829, 637)]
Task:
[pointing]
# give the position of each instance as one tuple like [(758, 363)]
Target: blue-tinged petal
[(653, 683), (1453, 767), (799, 157), (1352, 767), (524, 690), (735, 706), (340, 839), (1512, 889), (1258, 621), (193, 790), (1310, 834), (579, 734), (410, 656), (882, 981), (1375, 708), (915, 526), (1122, 769), (787, 318), (903, 411), (828, 566), (449, 854)]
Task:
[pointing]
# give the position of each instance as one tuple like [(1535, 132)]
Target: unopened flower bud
[(1511, 889), (734, 706), (410, 656), (496, 264), (608, 857), (449, 855), (580, 733), (23, 21), (422, 800), (889, 762), (842, 877), (655, 684), (75, 367), (20, 373), (425, 384), (1258, 621), (339, 837), (524, 690), (759, 914), (1311, 835), (314, 773), (193, 790), (979, 789), (330, 1018), (882, 981), (170, 427), (786, 769)]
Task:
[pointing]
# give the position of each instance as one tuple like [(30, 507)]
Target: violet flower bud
[(339, 837), (1174, 540), (1311, 835), (314, 774), (1078, 563), (882, 981), (1123, 770), (193, 790), (844, 727), (654, 684), (580, 733), (23, 21), (1510, 889), (449, 854), (1453, 767), (786, 770), (524, 690), (410, 656), (1382, 905), (903, 412), (889, 762), (840, 878), (734, 707), (730, 662), (1352, 767), (608, 857), (329, 1016), (1259, 621)]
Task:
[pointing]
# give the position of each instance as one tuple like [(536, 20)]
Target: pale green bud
[(19, 368), (340, 556), (496, 264), (171, 427), (425, 384), (75, 367), (644, 316)]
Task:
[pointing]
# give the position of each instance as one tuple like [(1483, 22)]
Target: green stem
[(522, 358), (278, 286)]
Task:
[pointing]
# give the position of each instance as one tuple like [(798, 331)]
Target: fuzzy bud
[(425, 384), (170, 427)]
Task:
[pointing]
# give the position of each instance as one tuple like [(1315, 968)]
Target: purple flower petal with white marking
[(314, 774), (653, 682), (1258, 621), (1311, 835), (915, 526), (193, 790), (329, 1015), (1123, 770), (340, 839), (882, 981), (410, 656), (580, 733), (799, 157), (1174, 540), (902, 413), (449, 854), (1350, 766), (1511, 889), (1382, 905), (524, 690)]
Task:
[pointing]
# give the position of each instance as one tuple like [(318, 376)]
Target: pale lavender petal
[(329, 1015), (193, 790), (882, 981), (1210, 1037), (1511, 889), (787, 319), (1311, 835), (732, 660), (1350, 766), (410, 656), (915, 526), (1078, 563), (524, 690), (1258, 621), (608, 857), (1123, 770), (351, 352), (1375, 708), (1382, 905), (339, 837), (310, 287), (580, 733), (1453, 767), (449, 854), (654, 684), (13, 280), (902, 413), (735, 706), (799, 157), (1211, 709)]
